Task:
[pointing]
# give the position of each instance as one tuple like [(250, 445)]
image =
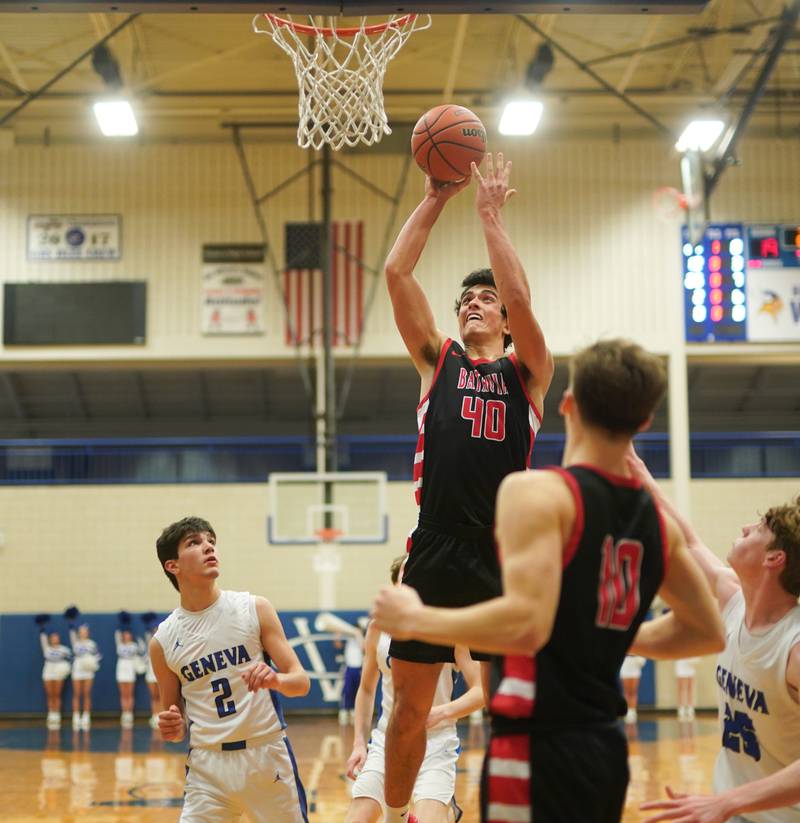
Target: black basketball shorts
[(566, 775), (448, 570)]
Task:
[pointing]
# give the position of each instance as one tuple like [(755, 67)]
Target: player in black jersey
[(584, 551), (477, 418)]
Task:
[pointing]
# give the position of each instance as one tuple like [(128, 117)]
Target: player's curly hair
[(617, 385), (482, 277), (169, 540), (784, 523)]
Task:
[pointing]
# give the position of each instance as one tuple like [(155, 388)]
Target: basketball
[(446, 140)]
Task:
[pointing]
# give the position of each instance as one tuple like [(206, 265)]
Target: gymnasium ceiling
[(190, 73)]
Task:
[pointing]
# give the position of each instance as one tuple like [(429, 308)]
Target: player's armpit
[(293, 679)]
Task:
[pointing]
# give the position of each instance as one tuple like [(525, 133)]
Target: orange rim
[(328, 535), (349, 31)]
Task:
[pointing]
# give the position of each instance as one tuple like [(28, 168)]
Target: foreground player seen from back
[(757, 773), (477, 419), (584, 550), (208, 656)]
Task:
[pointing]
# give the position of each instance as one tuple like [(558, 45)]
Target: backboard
[(302, 504), (363, 7)]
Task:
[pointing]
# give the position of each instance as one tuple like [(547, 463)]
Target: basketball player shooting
[(478, 416), (585, 549), (209, 656)]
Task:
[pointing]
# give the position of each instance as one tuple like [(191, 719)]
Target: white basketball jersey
[(760, 721), (208, 651), (443, 694)]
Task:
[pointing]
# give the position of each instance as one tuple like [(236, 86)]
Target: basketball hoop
[(328, 535), (669, 203), (340, 75)]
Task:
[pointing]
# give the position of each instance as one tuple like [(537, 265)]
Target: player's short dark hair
[(397, 564), (784, 523), (170, 538), (617, 385), (482, 277)]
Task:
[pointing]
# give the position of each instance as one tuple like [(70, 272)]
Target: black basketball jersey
[(613, 566), (476, 425)]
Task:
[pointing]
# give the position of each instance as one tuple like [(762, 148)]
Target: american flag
[(303, 289)]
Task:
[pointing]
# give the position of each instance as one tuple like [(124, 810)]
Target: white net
[(340, 75)]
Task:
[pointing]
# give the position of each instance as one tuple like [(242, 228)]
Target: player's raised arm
[(291, 678), (694, 626), (722, 579), (509, 274), (412, 311)]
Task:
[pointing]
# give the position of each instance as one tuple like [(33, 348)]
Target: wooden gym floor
[(109, 775)]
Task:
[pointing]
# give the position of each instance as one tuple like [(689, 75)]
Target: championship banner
[(773, 305), (233, 289), (74, 237)]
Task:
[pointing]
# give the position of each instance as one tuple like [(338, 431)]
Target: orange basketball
[(446, 140)]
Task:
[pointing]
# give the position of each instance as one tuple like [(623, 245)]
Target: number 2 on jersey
[(222, 685), (618, 594)]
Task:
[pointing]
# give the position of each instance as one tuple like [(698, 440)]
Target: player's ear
[(567, 404), (171, 566), (646, 425), (775, 559)]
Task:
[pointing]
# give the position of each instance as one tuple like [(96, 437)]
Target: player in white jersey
[(128, 655), (85, 664), (209, 659), (434, 789), (55, 671), (757, 772)]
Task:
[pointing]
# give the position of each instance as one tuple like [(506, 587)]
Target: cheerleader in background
[(150, 621), (685, 670), (56, 670), (129, 653), (630, 674), (84, 666)]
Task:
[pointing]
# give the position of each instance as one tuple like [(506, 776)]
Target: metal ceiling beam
[(665, 130), (455, 56), (633, 63), (53, 80), (731, 139), (16, 75)]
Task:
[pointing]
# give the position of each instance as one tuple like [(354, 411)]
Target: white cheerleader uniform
[(87, 658), (759, 718), (149, 674), (127, 657), (436, 779), (240, 760), (56, 660), (686, 667), (632, 667)]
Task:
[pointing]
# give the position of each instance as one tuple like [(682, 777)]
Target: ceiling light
[(700, 135), (115, 118), (521, 117)]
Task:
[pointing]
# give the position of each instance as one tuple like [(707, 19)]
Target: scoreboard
[(742, 283)]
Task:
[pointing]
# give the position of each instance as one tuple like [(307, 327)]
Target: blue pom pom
[(41, 619), (148, 618), (124, 618), (71, 614)]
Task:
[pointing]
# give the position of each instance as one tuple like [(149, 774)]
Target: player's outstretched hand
[(355, 763), (493, 189), (444, 191), (688, 808), (395, 609), (170, 724), (260, 676)]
